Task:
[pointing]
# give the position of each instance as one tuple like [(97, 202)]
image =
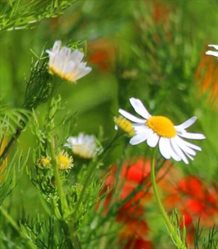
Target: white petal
[(138, 128), (186, 124), (184, 147), (153, 140), (77, 56), (191, 135), (213, 46), (189, 156), (83, 72), (139, 108), (164, 148), (67, 145), (138, 138), (193, 146), (178, 151), (213, 53), (56, 46), (131, 117), (173, 154)]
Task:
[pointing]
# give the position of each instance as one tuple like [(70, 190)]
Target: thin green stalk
[(73, 238), (20, 231), (174, 235), (64, 205), (13, 139), (87, 181)]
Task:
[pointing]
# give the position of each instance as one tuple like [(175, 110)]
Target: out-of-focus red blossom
[(130, 176), (135, 230), (207, 77), (194, 200), (134, 243), (199, 200), (136, 172), (161, 12), (138, 228), (102, 53), (134, 235)]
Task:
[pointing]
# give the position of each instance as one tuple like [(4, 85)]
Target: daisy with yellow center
[(64, 161), (84, 146), (67, 64), (213, 52), (160, 131)]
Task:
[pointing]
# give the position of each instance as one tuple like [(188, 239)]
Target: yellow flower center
[(64, 161), (45, 161), (61, 74), (124, 125), (163, 126)]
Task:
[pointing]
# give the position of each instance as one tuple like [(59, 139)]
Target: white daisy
[(83, 145), (160, 131), (213, 52), (66, 63)]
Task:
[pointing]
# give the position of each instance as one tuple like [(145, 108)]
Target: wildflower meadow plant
[(84, 146), (67, 64), (160, 130)]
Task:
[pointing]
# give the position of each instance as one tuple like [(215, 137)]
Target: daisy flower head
[(83, 145), (64, 161), (160, 131), (67, 63), (213, 52)]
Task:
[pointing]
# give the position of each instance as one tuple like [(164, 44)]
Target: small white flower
[(83, 145), (159, 130), (213, 52), (66, 63)]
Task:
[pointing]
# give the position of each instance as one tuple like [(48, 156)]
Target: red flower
[(199, 200), (131, 175), (191, 186), (195, 200), (138, 244), (161, 13), (133, 235), (102, 54), (136, 172)]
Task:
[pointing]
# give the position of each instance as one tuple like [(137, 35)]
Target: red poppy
[(196, 201), (134, 235), (131, 175), (199, 200), (138, 244), (161, 13), (102, 54)]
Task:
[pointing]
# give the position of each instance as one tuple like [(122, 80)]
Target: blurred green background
[(137, 48)]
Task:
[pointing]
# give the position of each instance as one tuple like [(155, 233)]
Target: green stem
[(60, 190), (86, 183), (13, 139), (64, 205), (18, 229), (174, 235)]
